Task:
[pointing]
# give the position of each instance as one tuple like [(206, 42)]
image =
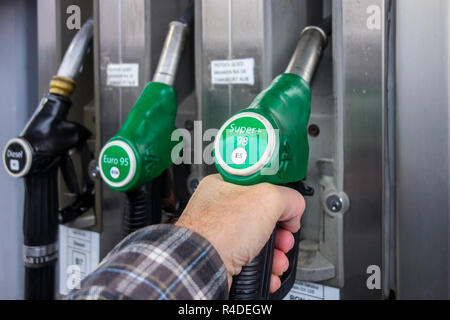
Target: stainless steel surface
[(53, 40), (389, 221), (313, 266), (49, 56), (422, 149), (360, 46), (85, 221), (171, 53), (307, 53), (72, 62), (317, 226)]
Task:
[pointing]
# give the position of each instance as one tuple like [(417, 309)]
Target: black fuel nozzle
[(36, 156)]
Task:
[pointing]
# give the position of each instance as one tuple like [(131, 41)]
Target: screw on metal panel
[(313, 130), (189, 125), (194, 184), (334, 203), (94, 170)]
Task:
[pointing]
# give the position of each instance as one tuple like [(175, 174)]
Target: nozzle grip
[(137, 213), (40, 282), (41, 208), (40, 229), (253, 283), (143, 207)]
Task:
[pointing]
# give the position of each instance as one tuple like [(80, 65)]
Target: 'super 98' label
[(243, 144)]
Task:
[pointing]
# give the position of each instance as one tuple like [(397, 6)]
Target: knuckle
[(267, 188), (270, 192), (205, 181)]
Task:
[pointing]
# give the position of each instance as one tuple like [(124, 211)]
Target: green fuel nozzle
[(141, 150), (268, 142)]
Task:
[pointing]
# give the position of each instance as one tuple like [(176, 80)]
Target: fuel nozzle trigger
[(84, 195), (288, 278)]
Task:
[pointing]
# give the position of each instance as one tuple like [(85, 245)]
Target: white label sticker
[(114, 172), (311, 291), (14, 165), (239, 71), (79, 254), (122, 75), (238, 156)]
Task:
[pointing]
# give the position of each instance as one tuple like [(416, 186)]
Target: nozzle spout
[(307, 54), (170, 56), (75, 53)]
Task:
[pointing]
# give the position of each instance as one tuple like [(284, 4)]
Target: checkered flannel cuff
[(158, 262)]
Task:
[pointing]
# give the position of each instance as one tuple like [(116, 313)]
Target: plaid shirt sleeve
[(158, 262)]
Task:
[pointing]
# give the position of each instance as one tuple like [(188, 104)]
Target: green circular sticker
[(117, 164), (244, 143)]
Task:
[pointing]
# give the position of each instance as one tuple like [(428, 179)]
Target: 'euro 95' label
[(117, 164)]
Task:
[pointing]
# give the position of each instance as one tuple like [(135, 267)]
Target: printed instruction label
[(122, 75), (312, 291), (79, 254), (240, 71)]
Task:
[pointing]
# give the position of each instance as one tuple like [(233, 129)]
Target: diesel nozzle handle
[(141, 150), (267, 142), (36, 156)]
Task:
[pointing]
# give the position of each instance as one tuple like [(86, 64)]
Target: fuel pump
[(141, 150), (36, 156), (268, 142)]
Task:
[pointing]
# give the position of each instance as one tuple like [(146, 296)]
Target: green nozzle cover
[(141, 150), (268, 141)]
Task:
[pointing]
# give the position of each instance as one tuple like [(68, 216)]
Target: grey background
[(18, 92), (422, 149)]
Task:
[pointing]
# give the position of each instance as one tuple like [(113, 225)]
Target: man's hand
[(239, 220)]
